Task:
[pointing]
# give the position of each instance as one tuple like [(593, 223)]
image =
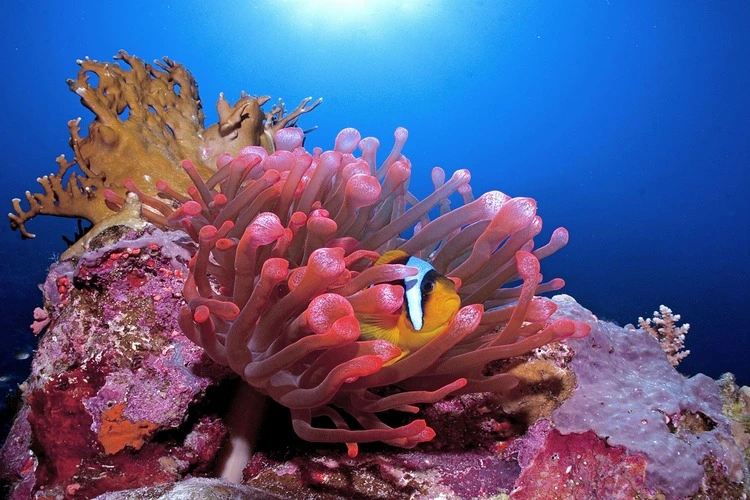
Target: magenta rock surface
[(112, 401)]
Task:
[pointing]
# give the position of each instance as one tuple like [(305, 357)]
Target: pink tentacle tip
[(540, 309), (427, 434), (265, 229), (326, 309), (355, 168), (462, 176), (260, 151), (346, 329), (438, 177), (221, 309), (456, 385), (201, 314), (188, 165), (130, 185), (385, 350), (190, 209), (225, 244), (517, 213), (582, 330), (527, 265), (275, 269), (226, 226), (347, 140), (321, 225), (297, 220), (244, 163), (560, 237), (397, 175), (362, 190), (327, 262), (279, 161), (401, 134), (207, 233), (319, 212), (220, 200), (222, 161), (273, 177), (363, 366), (491, 202), (564, 328), (381, 298), (369, 145), (467, 318), (288, 138)]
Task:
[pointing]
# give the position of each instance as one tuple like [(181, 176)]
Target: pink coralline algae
[(114, 384), (574, 466), (286, 243)]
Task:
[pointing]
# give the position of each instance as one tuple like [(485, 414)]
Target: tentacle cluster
[(286, 243)]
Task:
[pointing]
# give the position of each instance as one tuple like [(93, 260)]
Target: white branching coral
[(663, 327)]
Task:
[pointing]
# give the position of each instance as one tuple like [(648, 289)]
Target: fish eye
[(428, 286)]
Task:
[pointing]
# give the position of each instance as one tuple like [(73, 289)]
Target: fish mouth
[(453, 298), (454, 303)]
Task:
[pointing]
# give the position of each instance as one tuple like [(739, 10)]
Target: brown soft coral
[(147, 120)]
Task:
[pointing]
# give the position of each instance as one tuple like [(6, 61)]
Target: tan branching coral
[(663, 327), (147, 119)]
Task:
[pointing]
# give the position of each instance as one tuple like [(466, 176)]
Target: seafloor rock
[(119, 399), (629, 395), (114, 394)]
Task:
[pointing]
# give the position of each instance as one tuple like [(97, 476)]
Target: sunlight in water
[(352, 13)]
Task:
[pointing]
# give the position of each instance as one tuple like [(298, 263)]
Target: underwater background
[(627, 121)]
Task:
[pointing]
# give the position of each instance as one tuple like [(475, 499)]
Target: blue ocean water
[(627, 121)]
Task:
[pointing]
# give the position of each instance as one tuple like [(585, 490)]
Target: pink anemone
[(286, 243)]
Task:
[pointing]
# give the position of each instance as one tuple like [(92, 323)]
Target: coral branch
[(147, 120), (663, 327)]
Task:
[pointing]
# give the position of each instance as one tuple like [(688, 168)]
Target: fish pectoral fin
[(378, 326), (397, 358)]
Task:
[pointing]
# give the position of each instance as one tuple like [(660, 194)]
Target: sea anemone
[(286, 245)]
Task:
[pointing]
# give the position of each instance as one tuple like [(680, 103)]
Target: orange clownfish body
[(430, 303)]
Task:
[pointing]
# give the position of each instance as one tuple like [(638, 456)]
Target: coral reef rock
[(112, 400), (120, 401)]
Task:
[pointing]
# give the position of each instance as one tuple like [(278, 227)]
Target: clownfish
[(430, 303)]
